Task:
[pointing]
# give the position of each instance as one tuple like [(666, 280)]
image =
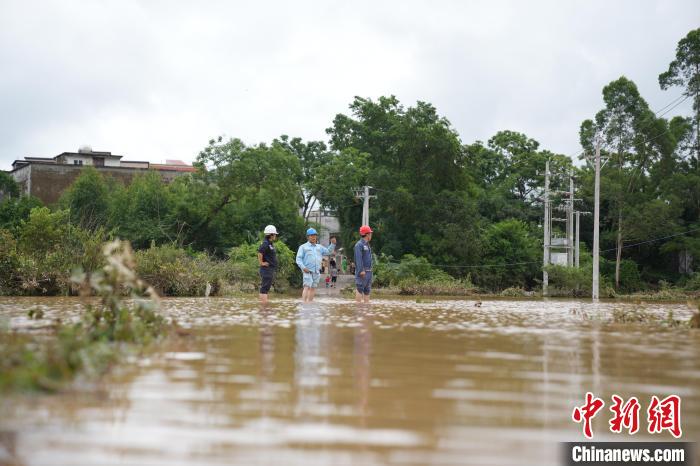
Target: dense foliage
[(462, 210)]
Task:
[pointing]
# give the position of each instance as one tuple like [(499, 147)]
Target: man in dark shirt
[(363, 265), (267, 257)]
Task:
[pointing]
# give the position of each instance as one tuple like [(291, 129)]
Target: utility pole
[(547, 236), (570, 222), (578, 237), (596, 224), (364, 195)]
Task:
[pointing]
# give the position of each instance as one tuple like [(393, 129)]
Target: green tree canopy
[(414, 159), (684, 72), (8, 186), (87, 200), (253, 186)]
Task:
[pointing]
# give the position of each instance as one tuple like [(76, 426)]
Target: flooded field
[(401, 382)]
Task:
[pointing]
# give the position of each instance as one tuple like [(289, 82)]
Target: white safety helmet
[(271, 230)]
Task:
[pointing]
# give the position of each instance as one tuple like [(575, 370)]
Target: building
[(47, 177), (328, 224)]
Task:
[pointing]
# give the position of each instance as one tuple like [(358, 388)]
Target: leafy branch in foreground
[(103, 334)]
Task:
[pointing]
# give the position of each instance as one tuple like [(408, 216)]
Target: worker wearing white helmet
[(267, 257)]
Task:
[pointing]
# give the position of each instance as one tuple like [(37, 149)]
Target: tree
[(87, 200), (510, 173), (634, 137), (247, 178), (312, 156), (334, 182), (684, 71), (512, 255), (141, 212), (16, 209), (8, 186), (44, 231), (414, 159)]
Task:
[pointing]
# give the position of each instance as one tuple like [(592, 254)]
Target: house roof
[(177, 168), (87, 154)]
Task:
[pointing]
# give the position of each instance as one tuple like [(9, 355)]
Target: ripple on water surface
[(399, 382)]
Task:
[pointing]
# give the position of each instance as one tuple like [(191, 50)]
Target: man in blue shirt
[(309, 258), (363, 265)]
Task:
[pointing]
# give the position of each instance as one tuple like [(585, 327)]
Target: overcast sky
[(152, 80)]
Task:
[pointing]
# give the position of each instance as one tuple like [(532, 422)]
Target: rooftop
[(85, 151)]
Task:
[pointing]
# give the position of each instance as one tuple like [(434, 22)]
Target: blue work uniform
[(267, 274), (310, 256), (363, 263)]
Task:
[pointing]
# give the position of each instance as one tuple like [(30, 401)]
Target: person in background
[(363, 265), (267, 258), (334, 273), (309, 258)]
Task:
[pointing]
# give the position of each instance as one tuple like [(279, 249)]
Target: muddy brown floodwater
[(400, 382)]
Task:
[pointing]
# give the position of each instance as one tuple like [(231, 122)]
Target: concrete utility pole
[(596, 224), (364, 195), (578, 237), (570, 222), (545, 258)]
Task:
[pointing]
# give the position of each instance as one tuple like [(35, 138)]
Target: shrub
[(87, 199), (409, 269), (451, 287), (625, 316), (102, 335), (47, 250), (172, 271), (416, 276), (512, 256), (242, 266), (9, 263), (630, 280), (514, 292), (693, 283), (578, 282), (14, 210)]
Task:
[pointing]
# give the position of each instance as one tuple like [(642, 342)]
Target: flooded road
[(401, 382)]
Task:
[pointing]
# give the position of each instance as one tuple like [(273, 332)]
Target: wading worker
[(267, 257), (363, 265), (309, 258)]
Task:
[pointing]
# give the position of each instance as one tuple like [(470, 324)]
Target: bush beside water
[(416, 276), (39, 257), (104, 333), (38, 254)]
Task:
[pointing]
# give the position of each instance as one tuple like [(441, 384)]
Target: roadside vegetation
[(50, 358)]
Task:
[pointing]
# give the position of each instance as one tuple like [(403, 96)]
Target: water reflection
[(334, 383), (362, 347)]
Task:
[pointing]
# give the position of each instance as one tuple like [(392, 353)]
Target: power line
[(664, 113), (665, 109), (653, 240), (683, 99), (396, 261), (463, 266)]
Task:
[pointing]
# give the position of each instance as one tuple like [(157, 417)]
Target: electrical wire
[(652, 240), (537, 262)]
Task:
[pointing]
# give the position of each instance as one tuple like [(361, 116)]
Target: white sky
[(152, 80)]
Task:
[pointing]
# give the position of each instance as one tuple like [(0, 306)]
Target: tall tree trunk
[(618, 255), (697, 141)]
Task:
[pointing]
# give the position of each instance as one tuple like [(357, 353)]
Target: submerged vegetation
[(638, 315), (105, 331)]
